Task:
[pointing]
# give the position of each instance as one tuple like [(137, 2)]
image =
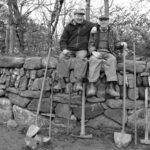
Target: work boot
[(91, 91), (111, 91), (79, 86)]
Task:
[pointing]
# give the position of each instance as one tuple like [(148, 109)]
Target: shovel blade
[(122, 139), (32, 130)]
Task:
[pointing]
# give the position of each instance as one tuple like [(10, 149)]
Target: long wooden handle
[(124, 91), (43, 83), (146, 113), (83, 112)]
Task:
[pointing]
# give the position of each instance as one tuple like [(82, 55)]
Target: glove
[(124, 44), (94, 30), (96, 54), (65, 51)]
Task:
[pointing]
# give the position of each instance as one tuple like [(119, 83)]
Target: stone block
[(63, 111), (102, 122), (26, 117), (131, 93), (51, 64), (33, 63), (33, 94), (140, 66), (11, 62), (91, 111), (37, 84), (23, 83), (18, 100), (115, 115)]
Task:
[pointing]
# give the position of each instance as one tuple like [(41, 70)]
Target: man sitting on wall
[(74, 44), (103, 42)]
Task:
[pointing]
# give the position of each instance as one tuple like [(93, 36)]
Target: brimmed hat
[(80, 11), (103, 17)]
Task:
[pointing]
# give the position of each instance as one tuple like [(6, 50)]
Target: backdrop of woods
[(21, 33)]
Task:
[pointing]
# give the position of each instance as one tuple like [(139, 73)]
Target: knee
[(61, 56), (81, 54)]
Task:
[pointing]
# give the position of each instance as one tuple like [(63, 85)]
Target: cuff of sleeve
[(91, 49)]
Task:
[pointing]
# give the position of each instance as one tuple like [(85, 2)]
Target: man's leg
[(62, 69), (80, 68), (110, 71), (93, 75)]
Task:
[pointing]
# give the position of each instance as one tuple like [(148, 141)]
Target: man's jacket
[(113, 40), (76, 36)]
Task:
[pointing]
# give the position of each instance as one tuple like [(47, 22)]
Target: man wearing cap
[(74, 46), (103, 42)]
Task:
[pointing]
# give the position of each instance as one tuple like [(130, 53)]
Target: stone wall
[(21, 82)]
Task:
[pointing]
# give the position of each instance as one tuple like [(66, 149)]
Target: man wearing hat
[(74, 46), (103, 42)]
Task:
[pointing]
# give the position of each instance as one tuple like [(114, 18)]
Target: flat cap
[(79, 11), (103, 17)]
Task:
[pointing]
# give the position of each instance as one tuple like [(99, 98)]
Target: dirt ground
[(13, 139)]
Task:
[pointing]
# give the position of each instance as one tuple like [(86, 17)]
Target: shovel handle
[(83, 112), (124, 90), (43, 83), (146, 113)]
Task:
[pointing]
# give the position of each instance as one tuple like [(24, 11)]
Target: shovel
[(34, 128), (122, 139), (146, 139), (82, 132), (135, 119)]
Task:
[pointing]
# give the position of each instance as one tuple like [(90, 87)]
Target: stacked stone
[(20, 87)]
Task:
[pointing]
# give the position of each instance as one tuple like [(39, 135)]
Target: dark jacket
[(76, 36), (113, 40)]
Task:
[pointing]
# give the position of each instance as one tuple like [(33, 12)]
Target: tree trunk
[(106, 3), (88, 9), (7, 38), (11, 38)]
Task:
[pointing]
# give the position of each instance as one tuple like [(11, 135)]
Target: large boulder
[(91, 111), (25, 117), (11, 62)]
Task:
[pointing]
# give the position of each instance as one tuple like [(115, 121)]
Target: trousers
[(73, 65), (108, 62)]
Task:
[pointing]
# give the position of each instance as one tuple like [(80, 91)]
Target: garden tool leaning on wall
[(34, 128), (146, 140), (135, 119), (122, 139), (82, 131)]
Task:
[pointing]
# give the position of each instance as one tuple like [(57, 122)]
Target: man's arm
[(92, 41), (64, 39)]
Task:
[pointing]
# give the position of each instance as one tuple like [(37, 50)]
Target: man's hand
[(65, 51), (96, 54), (124, 44), (94, 30)]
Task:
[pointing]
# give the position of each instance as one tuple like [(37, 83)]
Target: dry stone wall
[(21, 82)]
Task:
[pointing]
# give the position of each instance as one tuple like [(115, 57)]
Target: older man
[(74, 46), (103, 42)]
